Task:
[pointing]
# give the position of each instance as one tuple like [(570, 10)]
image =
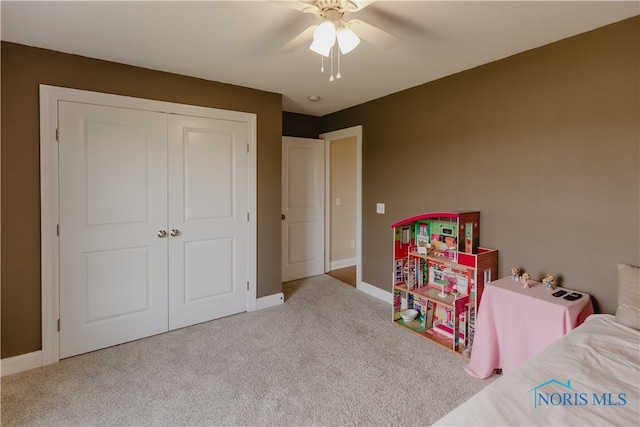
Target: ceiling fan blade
[(373, 35), (361, 4), (299, 6), (299, 40)]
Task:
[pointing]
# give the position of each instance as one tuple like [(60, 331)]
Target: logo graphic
[(547, 394)]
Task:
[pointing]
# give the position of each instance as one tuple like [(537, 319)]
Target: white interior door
[(113, 202), (302, 208), (208, 222)]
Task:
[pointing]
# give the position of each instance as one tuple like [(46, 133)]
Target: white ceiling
[(237, 42)]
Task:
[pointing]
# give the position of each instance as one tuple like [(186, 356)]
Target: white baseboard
[(375, 291), (270, 301), (343, 263), (20, 363)]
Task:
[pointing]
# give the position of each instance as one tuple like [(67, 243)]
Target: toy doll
[(525, 280), (548, 281), (515, 272)]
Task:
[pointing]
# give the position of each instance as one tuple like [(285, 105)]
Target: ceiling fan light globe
[(347, 40), (320, 48), (325, 33), (324, 37)]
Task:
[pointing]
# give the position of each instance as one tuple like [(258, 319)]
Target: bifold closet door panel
[(208, 205), (113, 211)]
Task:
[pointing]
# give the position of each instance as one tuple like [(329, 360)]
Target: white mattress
[(589, 377)]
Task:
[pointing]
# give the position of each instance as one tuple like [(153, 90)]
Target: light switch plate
[(380, 208)]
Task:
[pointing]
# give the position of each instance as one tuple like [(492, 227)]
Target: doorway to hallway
[(346, 275)]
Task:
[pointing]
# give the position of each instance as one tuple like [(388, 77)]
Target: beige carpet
[(328, 356)]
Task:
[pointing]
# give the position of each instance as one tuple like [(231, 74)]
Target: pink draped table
[(514, 324)]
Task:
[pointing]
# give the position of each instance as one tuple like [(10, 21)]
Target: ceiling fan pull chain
[(321, 64), (331, 55), (338, 76)]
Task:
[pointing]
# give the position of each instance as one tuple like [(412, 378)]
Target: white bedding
[(589, 377)]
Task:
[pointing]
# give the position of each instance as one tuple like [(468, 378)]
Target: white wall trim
[(270, 301), (49, 98), (342, 263), (252, 206), (327, 204), (374, 291), (23, 362)]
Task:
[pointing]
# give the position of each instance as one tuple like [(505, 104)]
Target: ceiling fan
[(335, 29)]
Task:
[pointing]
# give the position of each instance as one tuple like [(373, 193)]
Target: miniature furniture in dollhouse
[(440, 270)]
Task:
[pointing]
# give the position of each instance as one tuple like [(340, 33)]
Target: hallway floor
[(346, 275)]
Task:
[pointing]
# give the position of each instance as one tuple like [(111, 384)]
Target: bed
[(591, 376)]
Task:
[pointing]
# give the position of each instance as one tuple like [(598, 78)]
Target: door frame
[(354, 131), (49, 210)]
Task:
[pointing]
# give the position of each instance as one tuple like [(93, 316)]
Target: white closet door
[(113, 202), (208, 205)]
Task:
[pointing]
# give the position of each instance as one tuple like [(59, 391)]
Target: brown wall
[(300, 125), (544, 143), (23, 69)]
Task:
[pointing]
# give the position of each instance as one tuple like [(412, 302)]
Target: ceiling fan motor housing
[(340, 6)]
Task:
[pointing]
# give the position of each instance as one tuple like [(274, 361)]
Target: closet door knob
[(175, 232), (162, 233)]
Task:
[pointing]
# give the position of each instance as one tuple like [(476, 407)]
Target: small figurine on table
[(525, 280), (548, 281), (515, 273)]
